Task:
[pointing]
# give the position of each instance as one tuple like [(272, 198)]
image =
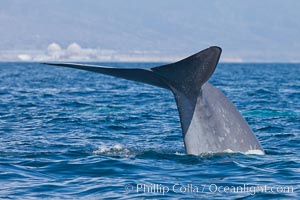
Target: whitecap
[(249, 152), (180, 154), (255, 152), (114, 150)]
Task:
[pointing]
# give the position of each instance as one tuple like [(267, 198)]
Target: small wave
[(180, 154), (249, 152), (254, 152), (115, 150), (119, 150), (227, 151), (269, 113)]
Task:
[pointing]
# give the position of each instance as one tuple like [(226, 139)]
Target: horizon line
[(163, 62)]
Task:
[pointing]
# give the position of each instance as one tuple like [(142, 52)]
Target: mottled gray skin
[(217, 126), (209, 121)]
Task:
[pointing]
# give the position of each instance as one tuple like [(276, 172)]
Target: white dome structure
[(53, 48), (54, 51), (74, 49)]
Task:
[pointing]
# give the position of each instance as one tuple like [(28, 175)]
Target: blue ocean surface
[(71, 134)]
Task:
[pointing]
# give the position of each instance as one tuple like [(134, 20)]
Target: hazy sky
[(253, 30)]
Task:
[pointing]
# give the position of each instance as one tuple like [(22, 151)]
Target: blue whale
[(209, 121)]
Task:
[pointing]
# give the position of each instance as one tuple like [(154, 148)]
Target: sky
[(156, 30)]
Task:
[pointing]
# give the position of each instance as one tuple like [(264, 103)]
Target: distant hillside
[(259, 30)]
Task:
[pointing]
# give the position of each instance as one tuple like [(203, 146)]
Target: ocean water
[(71, 134)]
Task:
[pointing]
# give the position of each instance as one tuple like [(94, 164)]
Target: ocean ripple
[(70, 134)]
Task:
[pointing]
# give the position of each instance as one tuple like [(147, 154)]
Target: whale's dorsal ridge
[(209, 121)]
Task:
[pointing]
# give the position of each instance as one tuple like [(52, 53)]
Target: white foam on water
[(113, 150), (255, 152), (180, 154), (249, 152), (120, 150), (229, 151)]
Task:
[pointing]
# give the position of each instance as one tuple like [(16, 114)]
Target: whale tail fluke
[(207, 117), (189, 73)]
